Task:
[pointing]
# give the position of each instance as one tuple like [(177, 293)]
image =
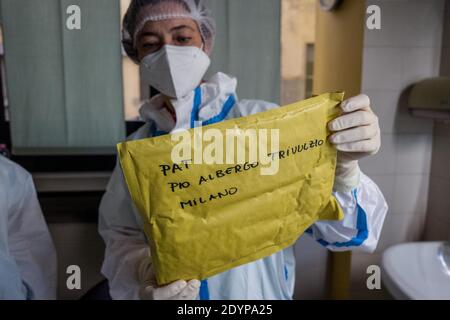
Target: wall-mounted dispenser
[(430, 98)]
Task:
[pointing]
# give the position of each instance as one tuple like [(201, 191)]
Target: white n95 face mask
[(175, 71)]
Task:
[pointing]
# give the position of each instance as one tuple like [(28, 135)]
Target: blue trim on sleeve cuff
[(361, 226), (204, 291)]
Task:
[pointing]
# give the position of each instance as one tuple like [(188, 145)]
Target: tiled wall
[(405, 50), (438, 217)]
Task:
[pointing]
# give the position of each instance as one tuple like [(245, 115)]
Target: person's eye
[(184, 40)]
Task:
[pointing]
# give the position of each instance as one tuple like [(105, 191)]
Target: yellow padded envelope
[(203, 219)]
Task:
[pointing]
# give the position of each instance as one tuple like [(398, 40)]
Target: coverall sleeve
[(364, 212), (126, 245), (30, 242)]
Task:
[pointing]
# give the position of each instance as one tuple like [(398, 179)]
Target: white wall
[(405, 50)]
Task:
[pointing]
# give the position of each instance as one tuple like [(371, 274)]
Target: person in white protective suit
[(27, 254), (172, 41)]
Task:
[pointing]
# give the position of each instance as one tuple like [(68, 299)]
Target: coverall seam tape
[(229, 104)]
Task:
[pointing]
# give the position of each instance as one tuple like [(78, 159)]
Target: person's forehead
[(169, 25)]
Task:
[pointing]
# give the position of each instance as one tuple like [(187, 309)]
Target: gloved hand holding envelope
[(220, 196)]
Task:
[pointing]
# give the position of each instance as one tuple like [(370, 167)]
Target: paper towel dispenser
[(431, 98)]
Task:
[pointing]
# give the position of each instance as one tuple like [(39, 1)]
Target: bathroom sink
[(419, 270)]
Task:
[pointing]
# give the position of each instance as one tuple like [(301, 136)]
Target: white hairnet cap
[(142, 11)]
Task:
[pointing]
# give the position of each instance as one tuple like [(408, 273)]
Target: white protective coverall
[(27, 254)]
